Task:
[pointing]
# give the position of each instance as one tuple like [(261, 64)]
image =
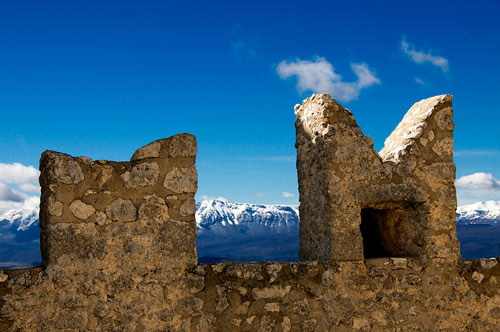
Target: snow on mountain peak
[(479, 213), (24, 216), (222, 212)]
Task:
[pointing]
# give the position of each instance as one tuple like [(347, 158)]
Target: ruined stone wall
[(117, 239), (119, 254), (405, 193), (376, 295)]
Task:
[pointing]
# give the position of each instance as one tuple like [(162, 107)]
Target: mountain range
[(480, 213), (248, 232)]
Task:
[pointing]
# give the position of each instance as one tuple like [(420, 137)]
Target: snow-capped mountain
[(219, 214), (249, 232), (484, 213), (246, 232), (20, 235), (23, 218)]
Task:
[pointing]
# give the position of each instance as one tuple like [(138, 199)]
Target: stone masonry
[(400, 202), (377, 236)]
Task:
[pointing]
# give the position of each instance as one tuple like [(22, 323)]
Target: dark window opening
[(391, 231)]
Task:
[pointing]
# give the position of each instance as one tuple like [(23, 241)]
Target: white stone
[(152, 150), (488, 263), (272, 307), (286, 325), (100, 218), (54, 207), (270, 292), (398, 263), (250, 320), (145, 174), (477, 277), (81, 210), (181, 180)]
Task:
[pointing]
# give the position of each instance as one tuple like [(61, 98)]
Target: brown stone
[(121, 210), (357, 203), (381, 228)]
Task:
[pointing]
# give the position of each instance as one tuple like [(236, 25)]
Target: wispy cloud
[(256, 194), (209, 198), (286, 194), (319, 76), (242, 44), (244, 48), (421, 57), (419, 81), (475, 153), (480, 180), (271, 158)]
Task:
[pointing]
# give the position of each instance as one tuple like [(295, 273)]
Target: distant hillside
[(248, 232)]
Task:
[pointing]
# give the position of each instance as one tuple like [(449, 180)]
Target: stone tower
[(356, 203)]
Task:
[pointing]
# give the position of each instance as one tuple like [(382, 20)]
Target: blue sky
[(103, 78)]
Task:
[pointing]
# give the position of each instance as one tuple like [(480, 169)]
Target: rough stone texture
[(145, 174), (180, 180), (356, 203), (121, 210), (115, 255), (80, 209), (188, 207), (131, 266), (152, 150)]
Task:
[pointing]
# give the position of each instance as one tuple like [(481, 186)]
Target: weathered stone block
[(356, 203)]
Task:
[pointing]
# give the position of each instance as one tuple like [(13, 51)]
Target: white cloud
[(286, 194), (419, 81), (478, 180), (18, 173), (319, 76), (29, 187), (210, 198), (272, 158), (8, 194), (421, 57), (17, 176), (475, 153)]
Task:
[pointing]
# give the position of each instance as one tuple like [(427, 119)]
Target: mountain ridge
[(227, 230)]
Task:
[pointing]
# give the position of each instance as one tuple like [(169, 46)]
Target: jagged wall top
[(346, 187), (411, 128)]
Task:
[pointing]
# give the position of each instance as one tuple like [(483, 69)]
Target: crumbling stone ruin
[(377, 241)]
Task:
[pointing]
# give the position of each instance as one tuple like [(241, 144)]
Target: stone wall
[(119, 254), (357, 203), (117, 239)]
